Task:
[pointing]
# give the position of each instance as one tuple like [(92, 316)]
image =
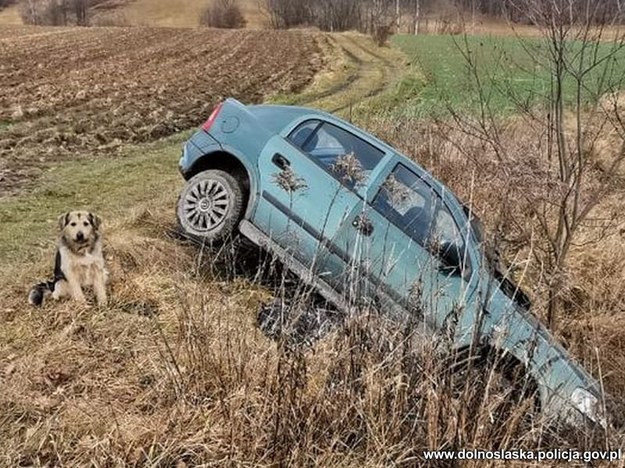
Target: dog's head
[(80, 230)]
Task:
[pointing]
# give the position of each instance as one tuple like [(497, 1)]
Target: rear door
[(312, 179)]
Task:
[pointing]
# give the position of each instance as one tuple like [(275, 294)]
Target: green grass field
[(514, 73)]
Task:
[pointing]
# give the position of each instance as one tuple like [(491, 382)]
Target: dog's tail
[(39, 292)]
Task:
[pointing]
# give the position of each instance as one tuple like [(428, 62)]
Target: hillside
[(174, 13), (181, 13), (10, 16)]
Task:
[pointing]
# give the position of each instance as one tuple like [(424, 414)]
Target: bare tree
[(81, 9), (29, 11), (285, 14), (55, 12), (566, 175), (335, 15), (417, 16)]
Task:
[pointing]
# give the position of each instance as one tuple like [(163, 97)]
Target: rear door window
[(347, 157)]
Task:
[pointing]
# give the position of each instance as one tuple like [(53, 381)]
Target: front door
[(395, 246)]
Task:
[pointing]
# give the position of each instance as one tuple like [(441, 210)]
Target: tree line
[(56, 12), (369, 16)]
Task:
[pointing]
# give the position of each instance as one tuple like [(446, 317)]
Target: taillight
[(208, 124)]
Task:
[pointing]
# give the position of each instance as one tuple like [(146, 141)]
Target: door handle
[(363, 225), (280, 161)]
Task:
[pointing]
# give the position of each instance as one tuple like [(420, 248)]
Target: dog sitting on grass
[(79, 261)]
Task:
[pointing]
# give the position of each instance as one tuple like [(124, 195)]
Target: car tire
[(210, 206)]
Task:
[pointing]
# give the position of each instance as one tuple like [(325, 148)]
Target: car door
[(310, 183), (393, 246)]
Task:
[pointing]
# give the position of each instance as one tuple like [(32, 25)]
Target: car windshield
[(477, 227), (496, 264)]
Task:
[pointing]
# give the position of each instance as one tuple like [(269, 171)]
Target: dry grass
[(176, 371)]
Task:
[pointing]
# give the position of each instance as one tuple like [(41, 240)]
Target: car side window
[(413, 206), (346, 156), (406, 201), (304, 136)]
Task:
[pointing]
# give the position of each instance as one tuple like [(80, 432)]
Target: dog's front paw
[(80, 301)]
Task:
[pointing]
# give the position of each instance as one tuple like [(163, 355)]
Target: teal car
[(361, 223)]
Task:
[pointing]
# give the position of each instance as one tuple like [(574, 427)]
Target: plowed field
[(87, 91)]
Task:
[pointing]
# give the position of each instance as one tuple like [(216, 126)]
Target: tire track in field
[(371, 70)]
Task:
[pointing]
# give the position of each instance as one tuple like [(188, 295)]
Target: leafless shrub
[(222, 14), (449, 24), (381, 34), (289, 181), (561, 180), (349, 169), (43, 12)]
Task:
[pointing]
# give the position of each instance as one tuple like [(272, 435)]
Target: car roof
[(276, 117)]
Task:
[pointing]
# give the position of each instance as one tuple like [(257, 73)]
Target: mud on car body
[(353, 217)]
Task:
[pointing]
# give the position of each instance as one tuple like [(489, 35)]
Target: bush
[(381, 33), (222, 14)]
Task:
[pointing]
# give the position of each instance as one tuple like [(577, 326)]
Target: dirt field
[(82, 91)]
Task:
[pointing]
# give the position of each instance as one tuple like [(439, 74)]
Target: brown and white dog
[(79, 261)]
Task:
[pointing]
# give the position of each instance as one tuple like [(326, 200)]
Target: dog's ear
[(95, 221), (63, 220)]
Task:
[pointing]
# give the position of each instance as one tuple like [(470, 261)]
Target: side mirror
[(451, 256)]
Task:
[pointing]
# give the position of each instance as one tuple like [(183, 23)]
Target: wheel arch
[(227, 161)]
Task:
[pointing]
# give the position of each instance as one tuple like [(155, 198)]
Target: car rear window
[(348, 157)]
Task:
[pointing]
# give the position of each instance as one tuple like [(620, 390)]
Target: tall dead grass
[(176, 373)]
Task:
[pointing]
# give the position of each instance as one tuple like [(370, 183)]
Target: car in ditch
[(355, 219)]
